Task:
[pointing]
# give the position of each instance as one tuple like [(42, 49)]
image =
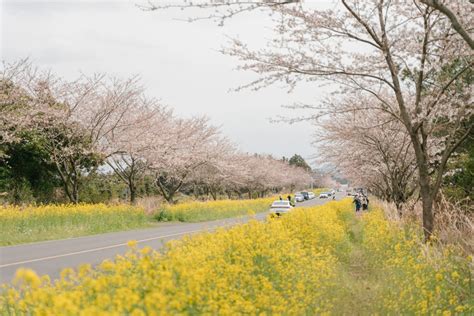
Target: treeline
[(99, 138), (383, 160)]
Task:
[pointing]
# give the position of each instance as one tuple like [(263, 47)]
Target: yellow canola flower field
[(209, 210), (34, 223), (294, 265)]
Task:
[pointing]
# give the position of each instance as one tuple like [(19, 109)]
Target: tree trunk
[(75, 189), (168, 194), (427, 205), (75, 196), (195, 191), (133, 193), (213, 194)]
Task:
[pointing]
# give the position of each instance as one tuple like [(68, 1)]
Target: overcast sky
[(178, 62)]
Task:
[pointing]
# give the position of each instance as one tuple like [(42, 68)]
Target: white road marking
[(98, 249)]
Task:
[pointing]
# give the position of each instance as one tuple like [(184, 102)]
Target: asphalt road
[(50, 257)]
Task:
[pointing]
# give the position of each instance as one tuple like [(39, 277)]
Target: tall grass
[(211, 210), (454, 223), (35, 223)]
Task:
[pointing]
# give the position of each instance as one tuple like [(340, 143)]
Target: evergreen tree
[(298, 161)]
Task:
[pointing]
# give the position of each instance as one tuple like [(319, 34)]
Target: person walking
[(357, 203), (289, 200), (365, 203)]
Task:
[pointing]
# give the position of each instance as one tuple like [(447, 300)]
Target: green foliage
[(298, 161), (101, 187), (459, 181), (27, 174)]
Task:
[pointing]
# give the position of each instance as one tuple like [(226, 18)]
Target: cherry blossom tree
[(263, 174), (10, 111), (127, 146), (406, 56), (219, 175), (372, 150), (445, 8), (72, 120), (187, 145)]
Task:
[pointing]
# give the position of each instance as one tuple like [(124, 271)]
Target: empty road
[(50, 257)]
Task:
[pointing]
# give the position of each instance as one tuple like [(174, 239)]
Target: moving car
[(299, 197), (323, 195), (280, 207)]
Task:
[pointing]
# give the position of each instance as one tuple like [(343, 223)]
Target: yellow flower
[(132, 243), (455, 275), (27, 277), (146, 250)]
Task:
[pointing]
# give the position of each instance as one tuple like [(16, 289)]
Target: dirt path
[(358, 281)]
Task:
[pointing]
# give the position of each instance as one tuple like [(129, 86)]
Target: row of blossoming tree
[(101, 124), (400, 76)]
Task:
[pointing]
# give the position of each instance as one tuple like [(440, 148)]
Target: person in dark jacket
[(289, 200), (357, 203), (365, 203)]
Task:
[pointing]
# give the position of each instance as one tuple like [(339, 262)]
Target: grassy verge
[(211, 210), (312, 261), (29, 224)]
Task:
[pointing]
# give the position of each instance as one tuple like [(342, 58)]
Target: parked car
[(305, 195), (280, 207), (323, 195), (299, 197), (311, 195)]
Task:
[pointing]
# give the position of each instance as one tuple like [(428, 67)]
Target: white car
[(299, 197), (280, 207), (311, 195), (323, 196)]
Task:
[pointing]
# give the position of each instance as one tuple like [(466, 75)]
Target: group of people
[(361, 201)]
